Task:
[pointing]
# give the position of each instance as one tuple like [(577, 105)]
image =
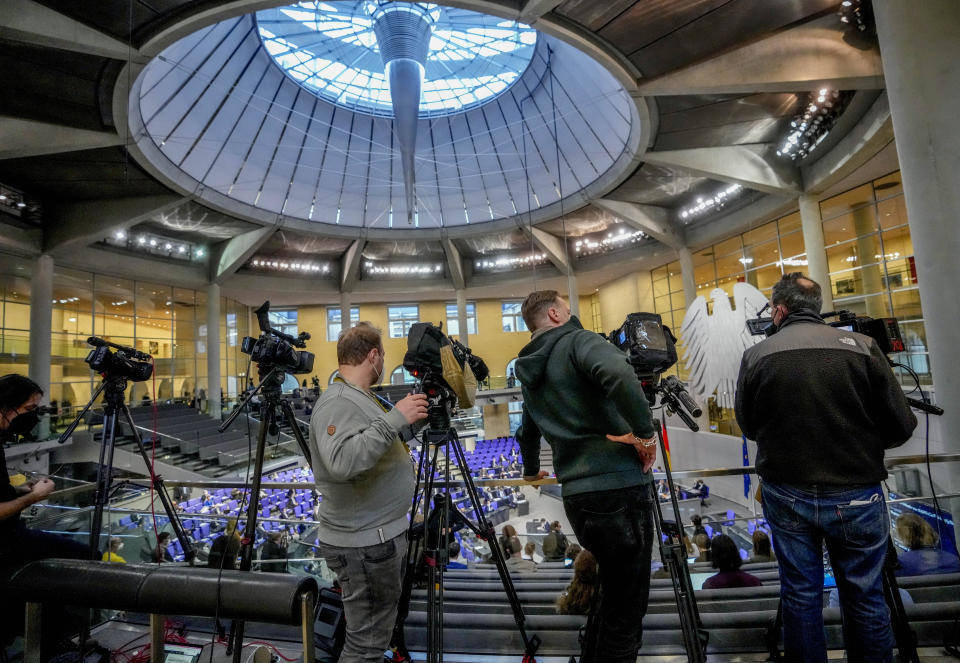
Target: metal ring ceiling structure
[(217, 117)]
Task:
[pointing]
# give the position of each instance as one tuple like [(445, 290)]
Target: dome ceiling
[(226, 114)]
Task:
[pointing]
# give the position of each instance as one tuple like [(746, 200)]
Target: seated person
[(113, 551), (516, 563), (529, 550), (762, 551), (922, 558), (726, 558), (572, 551), (453, 556), (698, 527), (578, 596), (554, 543), (506, 533), (160, 552), (702, 541)]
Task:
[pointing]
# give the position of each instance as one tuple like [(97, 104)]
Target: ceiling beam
[(652, 220), (230, 255), (32, 23), (753, 166), (20, 240), (807, 57), (84, 223), (454, 263), (871, 134), (554, 247), (350, 265), (21, 138), (534, 9)]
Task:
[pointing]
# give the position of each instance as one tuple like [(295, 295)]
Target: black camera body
[(124, 363), (885, 331), (274, 349), (422, 359)]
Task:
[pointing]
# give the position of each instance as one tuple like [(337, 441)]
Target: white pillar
[(462, 316), (213, 350), (921, 52), (686, 274), (572, 293), (817, 269), (41, 312)]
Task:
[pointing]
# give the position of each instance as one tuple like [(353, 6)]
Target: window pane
[(847, 201), (864, 281), (731, 245), (892, 213), (888, 186), (731, 264), (791, 244), (863, 251), (758, 255), (906, 304), (661, 287), (789, 223), (764, 233), (764, 277), (874, 306)]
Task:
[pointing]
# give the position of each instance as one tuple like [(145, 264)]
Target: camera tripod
[(271, 383), (113, 388), (435, 535)]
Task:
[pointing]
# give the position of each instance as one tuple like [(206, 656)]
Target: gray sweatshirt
[(361, 468)]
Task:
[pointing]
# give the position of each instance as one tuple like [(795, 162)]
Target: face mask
[(380, 373), (24, 423)]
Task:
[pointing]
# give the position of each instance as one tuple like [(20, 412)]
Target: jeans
[(853, 523), (371, 579), (617, 527), (26, 545)]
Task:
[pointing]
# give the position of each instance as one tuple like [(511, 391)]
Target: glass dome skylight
[(330, 48)]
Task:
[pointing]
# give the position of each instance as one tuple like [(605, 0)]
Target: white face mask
[(376, 380)]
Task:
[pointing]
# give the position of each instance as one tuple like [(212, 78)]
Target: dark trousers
[(617, 527)]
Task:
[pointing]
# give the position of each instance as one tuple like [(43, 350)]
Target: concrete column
[(812, 225), (344, 311), (572, 293), (685, 257), (213, 350), (921, 52), (41, 312), (462, 316)]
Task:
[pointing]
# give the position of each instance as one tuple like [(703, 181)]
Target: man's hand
[(542, 474), (647, 454), (413, 407), (41, 489)]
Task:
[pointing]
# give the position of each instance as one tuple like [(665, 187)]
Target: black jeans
[(617, 527)]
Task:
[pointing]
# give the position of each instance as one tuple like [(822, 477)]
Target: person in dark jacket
[(822, 405), (727, 561), (554, 543), (274, 549), (580, 394)]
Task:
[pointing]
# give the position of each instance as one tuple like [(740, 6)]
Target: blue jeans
[(617, 527), (853, 523), (371, 579)]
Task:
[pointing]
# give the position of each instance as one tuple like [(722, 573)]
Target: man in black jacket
[(583, 397), (823, 405)]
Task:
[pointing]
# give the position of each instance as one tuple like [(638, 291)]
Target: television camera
[(275, 349), (885, 331), (127, 363), (651, 350), (436, 360)]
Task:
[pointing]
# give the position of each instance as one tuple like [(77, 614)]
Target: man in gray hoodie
[(365, 474)]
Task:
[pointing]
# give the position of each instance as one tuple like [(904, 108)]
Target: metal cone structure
[(403, 33)]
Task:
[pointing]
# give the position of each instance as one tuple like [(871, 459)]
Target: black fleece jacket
[(576, 389), (821, 403)]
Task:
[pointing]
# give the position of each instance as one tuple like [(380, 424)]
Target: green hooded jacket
[(576, 389)]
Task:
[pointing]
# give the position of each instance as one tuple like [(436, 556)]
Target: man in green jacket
[(580, 394)]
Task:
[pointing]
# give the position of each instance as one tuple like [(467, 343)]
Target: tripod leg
[(188, 550), (104, 479), (905, 637), (297, 433), (250, 530)]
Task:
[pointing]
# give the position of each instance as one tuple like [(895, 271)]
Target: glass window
[(511, 318), (453, 321), (789, 223), (401, 318), (400, 375), (515, 415), (333, 321), (791, 244), (846, 202), (284, 320)]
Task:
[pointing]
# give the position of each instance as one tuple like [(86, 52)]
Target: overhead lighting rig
[(149, 243), (373, 268), (810, 126), (502, 263), (857, 17), (15, 203), (283, 265), (612, 240), (712, 203)]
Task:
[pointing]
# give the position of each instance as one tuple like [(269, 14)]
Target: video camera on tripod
[(128, 363), (447, 369), (651, 350), (275, 349)]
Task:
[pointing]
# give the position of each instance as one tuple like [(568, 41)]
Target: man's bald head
[(795, 291)]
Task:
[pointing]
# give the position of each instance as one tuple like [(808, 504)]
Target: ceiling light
[(21, 204), (153, 242), (120, 234), (168, 246), (141, 240)]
